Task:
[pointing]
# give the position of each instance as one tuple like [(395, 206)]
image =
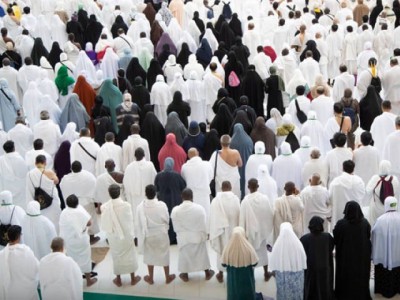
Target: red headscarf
[(172, 149), (87, 95)]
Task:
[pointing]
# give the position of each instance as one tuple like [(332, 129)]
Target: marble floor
[(197, 288)]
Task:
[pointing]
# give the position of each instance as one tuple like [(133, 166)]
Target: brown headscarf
[(262, 133)]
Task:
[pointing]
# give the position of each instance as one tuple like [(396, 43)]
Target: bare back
[(231, 157)]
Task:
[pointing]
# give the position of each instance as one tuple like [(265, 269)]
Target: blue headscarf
[(169, 164)]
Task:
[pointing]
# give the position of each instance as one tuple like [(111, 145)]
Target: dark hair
[(334, 27), (14, 233), (40, 159), (338, 108), (366, 138), (114, 190), (84, 132), (28, 61), (339, 139), (72, 201), (38, 144), (150, 191), (187, 194), (109, 137), (348, 166), (300, 90), (343, 68), (27, 10), (349, 28), (396, 52), (9, 147), (386, 104), (365, 19), (139, 154), (76, 166)]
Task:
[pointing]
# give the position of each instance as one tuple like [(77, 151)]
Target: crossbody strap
[(12, 214), (341, 124), (87, 152), (126, 41), (216, 162)]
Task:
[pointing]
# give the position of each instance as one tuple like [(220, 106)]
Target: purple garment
[(93, 56), (62, 160), (166, 39)]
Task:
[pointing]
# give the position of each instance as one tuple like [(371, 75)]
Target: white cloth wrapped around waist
[(189, 237)]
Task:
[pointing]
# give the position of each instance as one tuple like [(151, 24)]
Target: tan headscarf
[(239, 252)]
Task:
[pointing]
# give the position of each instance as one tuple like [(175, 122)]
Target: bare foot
[(267, 276), (148, 279), (170, 278), (220, 277), (117, 282), (91, 281), (209, 274), (184, 277), (135, 280)]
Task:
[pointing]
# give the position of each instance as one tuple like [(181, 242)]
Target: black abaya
[(370, 107), (140, 94), (169, 185), (134, 69), (353, 255), (153, 131), (152, 72), (275, 99), (222, 121), (254, 88)]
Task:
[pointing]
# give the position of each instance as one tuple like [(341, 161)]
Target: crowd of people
[(267, 130)]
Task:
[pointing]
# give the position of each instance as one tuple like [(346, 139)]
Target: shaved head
[(315, 179), (225, 140), (226, 186), (192, 152)]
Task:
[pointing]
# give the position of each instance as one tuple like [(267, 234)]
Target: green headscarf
[(112, 97), (63, 81)]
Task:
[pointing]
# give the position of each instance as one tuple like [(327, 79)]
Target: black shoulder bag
[(4, 230), (41, 196), (299, 113)]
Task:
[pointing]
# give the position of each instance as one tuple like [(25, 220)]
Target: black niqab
[(54, 55)]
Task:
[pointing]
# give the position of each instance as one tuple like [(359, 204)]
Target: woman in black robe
[(222, 121), (183, 56), (38, 51), (234, 65), (204, 53), (54, 55), (396, 10), (370, 107), (236, 25), (375, 13), (274, 87), (254, 88), (223, 98), (140, 94), (218, 24), (134, 69), (318, 278), (199, 22), (93, 30), (226, 35), (169, 185), (119, 23), (181, 107), (152, 72), (242, 52), (62, 166), (73, 26), (311, 46), (121, 82), (125, 130), (83, 18), (211, 143), (352, 236), (153, 131)]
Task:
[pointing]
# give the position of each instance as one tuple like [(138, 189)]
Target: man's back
[(60, 277)]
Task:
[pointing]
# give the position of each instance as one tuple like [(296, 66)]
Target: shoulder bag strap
[(297, 105), (216, 162), (341, 124), (87, 152), (126, 41), (66, 67)]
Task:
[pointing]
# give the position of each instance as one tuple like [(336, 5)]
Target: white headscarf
[(178, 84), (305, 142), (84, 63), (70, 134), (385, 168), (239, 252), (109, 65), (259, 147), (288, 254), (6, 198), (33, 209), (286, 149)]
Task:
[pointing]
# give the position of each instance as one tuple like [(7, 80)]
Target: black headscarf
[(152, 72), (83, 18), (181, 107), (370, 107), (93, 30), (73, 26), (242, 52), (396, 10), (199, 22), (222, 121), (119, 23), (226, 35), (236, 25), (134, 70), (218, 24), (311, 46), (211, 144), (62, 160), (254, 88), (125, 129), (352, 212), (140, 94), (221, 51), (98, 109), (316, 225), (241, 118), (153, 131), (183, 57), (54, 55), (38, 51)]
